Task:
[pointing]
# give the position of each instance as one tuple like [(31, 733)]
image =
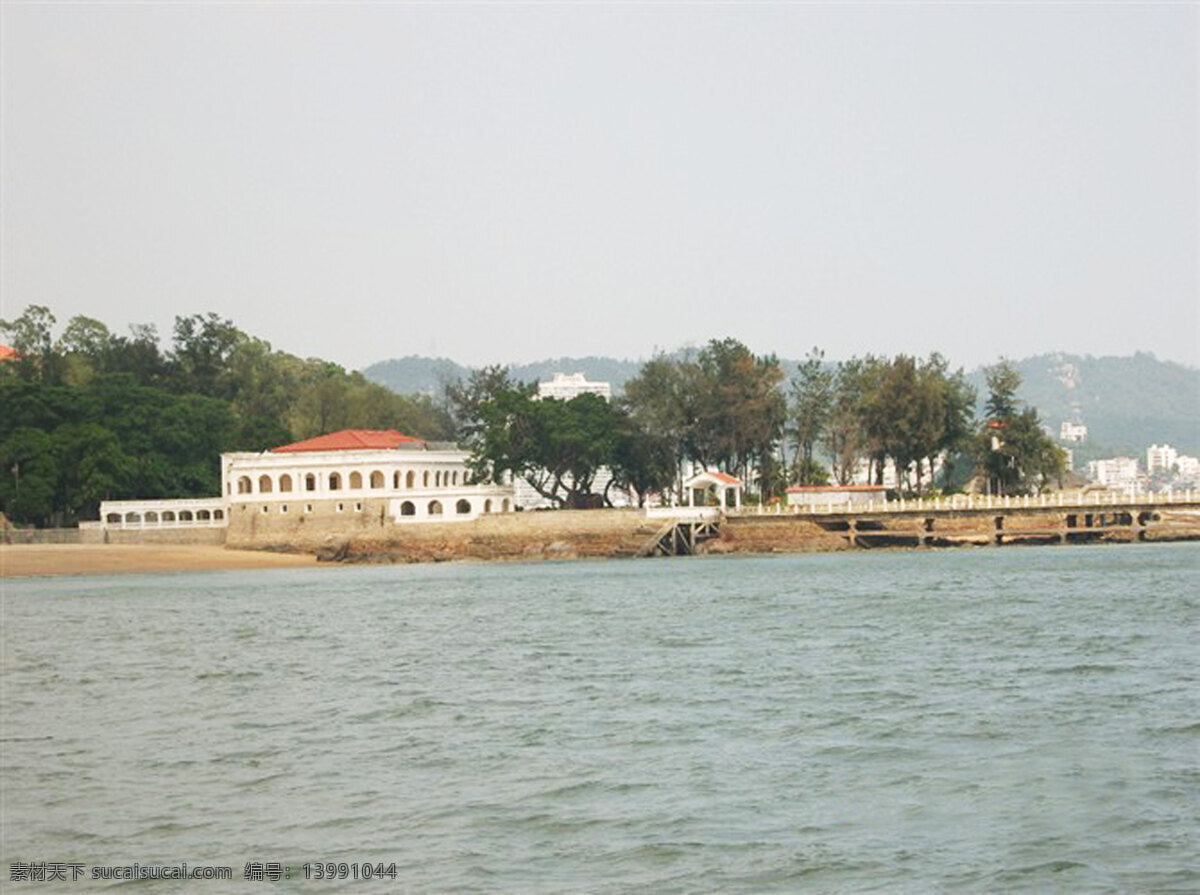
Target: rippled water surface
[(1019, 719)]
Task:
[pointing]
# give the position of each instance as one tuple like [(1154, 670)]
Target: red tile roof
[(351, 440), (726, 478), (7, 352)]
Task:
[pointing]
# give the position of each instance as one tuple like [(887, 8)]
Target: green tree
[(201, 353), (661, 399), (32, 335), (643, 461), (29, 476), (740, 407), (558, 447), (811, 408), (92, 468), (1013, 453), (467, 401)]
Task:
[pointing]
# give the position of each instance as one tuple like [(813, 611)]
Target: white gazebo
[(728, 490)]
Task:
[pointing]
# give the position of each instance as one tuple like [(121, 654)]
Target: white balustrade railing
[(1080, 499)]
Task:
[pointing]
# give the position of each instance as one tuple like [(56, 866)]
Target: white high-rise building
[(1160, 458)]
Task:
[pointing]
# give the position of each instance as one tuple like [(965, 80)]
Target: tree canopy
[(93, 416)]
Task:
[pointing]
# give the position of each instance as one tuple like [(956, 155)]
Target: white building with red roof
[(383, 472), (337, 483)]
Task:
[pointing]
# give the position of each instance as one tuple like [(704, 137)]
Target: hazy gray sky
[(501, 182)]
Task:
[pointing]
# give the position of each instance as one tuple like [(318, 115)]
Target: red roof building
[(7, 352), (351, 440)]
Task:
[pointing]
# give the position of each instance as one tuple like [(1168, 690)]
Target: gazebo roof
[(716, 478)]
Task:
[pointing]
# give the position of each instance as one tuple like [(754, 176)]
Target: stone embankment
[(560, 534), (579, 534)]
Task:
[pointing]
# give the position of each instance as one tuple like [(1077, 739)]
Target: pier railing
[(1065, 499)]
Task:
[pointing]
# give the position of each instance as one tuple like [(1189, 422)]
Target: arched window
[(218, 514), (437, 479), (152, 517), (264, 484), (335, 482), (410, 479), (168, 516), (408, 509), (396, 480), (203, 515), (462, 507), (132, 517), (356, 481), (425, 479), (435, 508), (186, 516), (487, 505), (113, 517), (454, 477), (376, 479), (244, 486), (285, 482), (504, 505), (310, 482)]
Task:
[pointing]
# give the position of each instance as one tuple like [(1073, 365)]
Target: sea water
[(1017, 719)]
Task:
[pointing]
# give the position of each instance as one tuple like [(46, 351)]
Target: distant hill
[(428, 375), (1127, 403)]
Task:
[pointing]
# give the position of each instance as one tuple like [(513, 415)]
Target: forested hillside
[(1126, 402), (90, 415), (429, 375)]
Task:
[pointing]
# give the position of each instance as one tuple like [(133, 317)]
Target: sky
[(509, 182)]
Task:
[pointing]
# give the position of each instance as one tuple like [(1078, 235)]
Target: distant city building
[(1118, 472), (1160, 458), (565, 387), (1072, 432), (1171, 468), (1187, 467)]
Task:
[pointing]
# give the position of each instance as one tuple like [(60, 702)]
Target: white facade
[(422, 482), (1115, 471), (195, 512), (1160, 458), (835, 495), (565, 387), (1188, 467), (1072, 432)]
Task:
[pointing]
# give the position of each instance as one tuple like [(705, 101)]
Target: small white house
[(835, 495)]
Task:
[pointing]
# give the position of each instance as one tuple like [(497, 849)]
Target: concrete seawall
[(567, 534), (560, 534)]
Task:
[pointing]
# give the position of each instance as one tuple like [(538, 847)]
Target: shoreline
[(579, 534), (42, 560)]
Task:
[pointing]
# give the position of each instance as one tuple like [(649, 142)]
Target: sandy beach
[(19, 560)]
